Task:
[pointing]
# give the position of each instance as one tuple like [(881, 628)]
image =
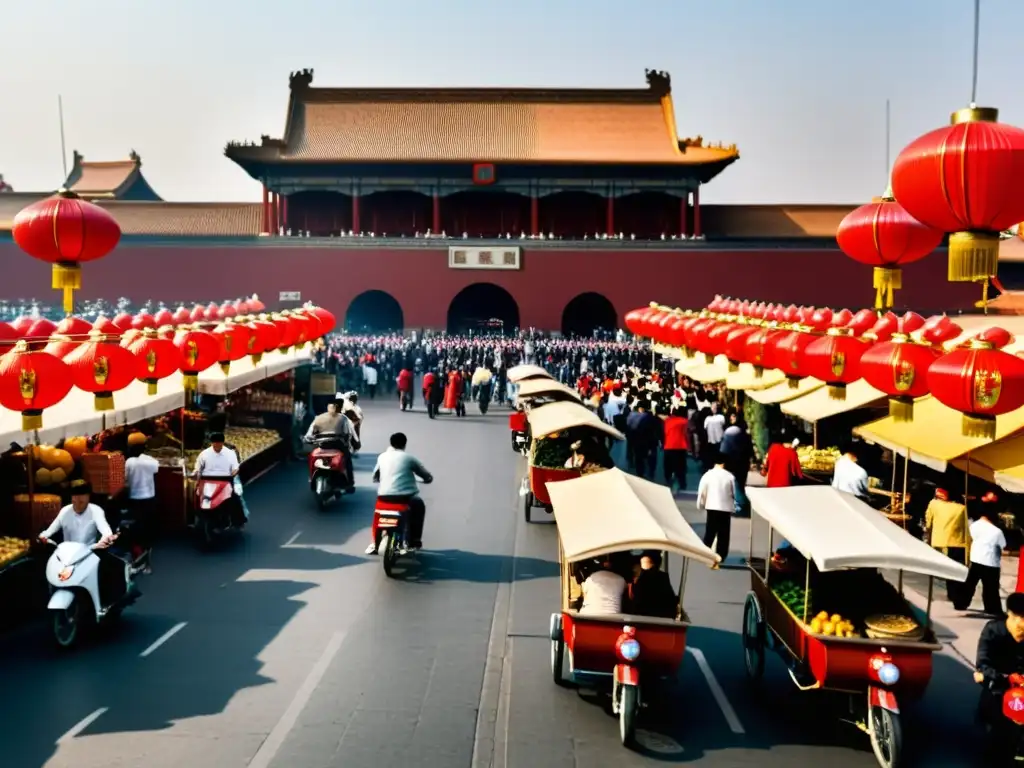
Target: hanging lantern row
[(36, 373), (905, 357)]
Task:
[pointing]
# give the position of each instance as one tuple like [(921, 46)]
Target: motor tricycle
[(328, 475)]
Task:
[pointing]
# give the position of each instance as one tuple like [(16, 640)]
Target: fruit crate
[(32, 514), (104, 471)]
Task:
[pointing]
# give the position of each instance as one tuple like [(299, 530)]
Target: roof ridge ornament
[(301, 80), (659, 82)]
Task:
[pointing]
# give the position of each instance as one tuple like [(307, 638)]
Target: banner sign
[(492, 257)]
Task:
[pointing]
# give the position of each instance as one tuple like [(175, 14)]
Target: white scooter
[(73, 574)]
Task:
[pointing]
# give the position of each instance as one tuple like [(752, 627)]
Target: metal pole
[(63, 146), (888, 140), (974, 63)]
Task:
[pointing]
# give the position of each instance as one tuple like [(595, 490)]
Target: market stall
[(533, 391)]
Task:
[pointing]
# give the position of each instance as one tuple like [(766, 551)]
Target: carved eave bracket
[(660, 83), (301, 80)]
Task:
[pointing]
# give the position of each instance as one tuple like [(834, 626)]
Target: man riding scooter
[(349, 408), (1000, 656), (335, 423), (396, 471), (220, 462)]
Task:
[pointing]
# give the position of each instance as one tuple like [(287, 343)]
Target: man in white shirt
[(716, 495), (603, 591), (396, 471), (140, 478), (370, 378), (849, 476), (221, 462), (714, 426), (987, 544)]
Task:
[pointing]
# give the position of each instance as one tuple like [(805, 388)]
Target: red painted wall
[(423, 284)]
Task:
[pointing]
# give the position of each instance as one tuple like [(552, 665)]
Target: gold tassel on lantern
[(67, 277), (901, 409), (886, 280), (31, 420), (104, 401), (733, 367), (837, 391), (793, 383), (976, 425), (973, 256), (190, 381)]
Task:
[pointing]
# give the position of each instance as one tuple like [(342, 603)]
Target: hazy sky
[(800, 86)]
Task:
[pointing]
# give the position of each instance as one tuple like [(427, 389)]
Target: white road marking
[(81, 725), (716, 690), (269, 748), (292, 540), (163, 639)]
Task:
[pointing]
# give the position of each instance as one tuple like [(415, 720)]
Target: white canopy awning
[(612, 511), (558, 417), (818, 405), (213, 381), (519, 373), (746, 378), (782, 392), (545, 388), (837, 530), (710, 373)]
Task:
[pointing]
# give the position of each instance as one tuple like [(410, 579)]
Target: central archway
[(374, 312), (587, 313), (483, 308)]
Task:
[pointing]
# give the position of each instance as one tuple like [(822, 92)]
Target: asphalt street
[(289, 647)]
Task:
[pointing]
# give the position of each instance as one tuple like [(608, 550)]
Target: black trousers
[(954, 588), (644, 459), (373, 390), (719, 527), (675, 467), (989, 578), (417, 516)]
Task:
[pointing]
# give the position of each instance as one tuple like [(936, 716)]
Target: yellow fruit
[(816, 625), (823, 616), (828, 628), (43, 477), (848, 633), (58, 475), (836, 618)]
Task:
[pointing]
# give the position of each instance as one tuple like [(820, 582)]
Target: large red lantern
[(212, 312), (77, 329), (269, 337), (181, 316), (198, 314), (761, 346), (163, 317), (965, 179), (899, 368), (981, 382), (103, 368), (227, 310), (123, 321), (883, 235), (255, 345), (255, 305), (327, 319), (232, 344), (288, 329), (60, 347), (105, 326), (8, 337), (155, 358), (790, 355), (198, 350), (22, 324), (143, 320), (66, 231), (736, 350), (39, 333), (309, 324), (31, 382), (835, 359)]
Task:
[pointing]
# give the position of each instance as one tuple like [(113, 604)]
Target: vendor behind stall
[(849, 476)]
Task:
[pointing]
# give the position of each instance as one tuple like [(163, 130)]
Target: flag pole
[(63, 146)]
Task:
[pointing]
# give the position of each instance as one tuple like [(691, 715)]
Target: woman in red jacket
[(781, 464)]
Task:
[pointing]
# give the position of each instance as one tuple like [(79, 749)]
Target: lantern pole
[(63, 146), (974, 63), (888, 141)]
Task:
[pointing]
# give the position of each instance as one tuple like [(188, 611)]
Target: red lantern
[(965, 179), (884, 328), (123, 321), (40, 332), (60, 347), (102, 368), (198, 350), (77, 329), (232, 344), (761, 347), (255, 343), (288, 330), (129, 336), (899, 368), (715, 338), (861, 323), (8, 337), (327, 320), (675, 332), (106, 327), (980, 381), (650, 322), (155, 358), (310, 326), (66, 231), (241, 308), (181, 316), (227, 310), (883, 235), (790, 355), (939, 329), (142, 321), (268, 338), (255, 305), (162, 318), (198, 314), (212, 312), (22, 324), (736, 344), (662, 329), (31, 382), (835, 359), (997, 337)]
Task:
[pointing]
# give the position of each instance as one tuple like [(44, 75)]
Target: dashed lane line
[(163, 639), (81, 725)]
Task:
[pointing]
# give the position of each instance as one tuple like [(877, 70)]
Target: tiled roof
[(167, 219), (103, 178), (483, 125)]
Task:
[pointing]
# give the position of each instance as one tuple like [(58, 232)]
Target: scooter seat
[(392, 506)]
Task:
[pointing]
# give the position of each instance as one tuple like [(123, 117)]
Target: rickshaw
[(520, 373), (865, 642), (562, 421), (606, 514), (534, 393)]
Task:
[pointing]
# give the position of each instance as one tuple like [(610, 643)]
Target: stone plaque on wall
[(486, 257)]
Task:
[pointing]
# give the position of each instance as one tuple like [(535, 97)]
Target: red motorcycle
[(217, 509), (1005, 735), (390, 531), (328, 476)]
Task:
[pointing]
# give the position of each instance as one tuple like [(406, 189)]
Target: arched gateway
[(374, 312), (483, 308), (587, 313)]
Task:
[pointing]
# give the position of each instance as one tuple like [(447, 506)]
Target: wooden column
[(265, 225), (534, 215), (696, 212), (610, 215), (355, 213), (275, 213), (684, 214), (435, 220), (284, 212)]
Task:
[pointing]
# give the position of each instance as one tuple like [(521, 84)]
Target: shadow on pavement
[(458, 565)]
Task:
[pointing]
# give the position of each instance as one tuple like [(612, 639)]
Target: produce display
[(817, 459), (853, 603), (261, 401), (11, 549), (248, 441), (551, 452)]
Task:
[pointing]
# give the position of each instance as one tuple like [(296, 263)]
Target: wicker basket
[(104, 471), (32, 514)]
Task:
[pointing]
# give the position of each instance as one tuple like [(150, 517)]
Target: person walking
[(945, 529), (644, 433), (987, 544), (676, 447), (716, 495), (781, 466), (371, 377), (738, 449)]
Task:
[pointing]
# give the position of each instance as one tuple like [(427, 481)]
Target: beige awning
[(686, 364), (545, 388), (611, 511), (710, 373), (818, 405), (838, 530), (519, 373), (746, 378), (558, 417), (782, 392)]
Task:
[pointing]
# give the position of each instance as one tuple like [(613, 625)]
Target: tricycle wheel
[(557, 658), (753, 639), (528, 505), (886, 737), (388, 553), (629, 703)]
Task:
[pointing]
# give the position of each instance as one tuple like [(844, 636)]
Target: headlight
[(889, 674), (629, 649), (66, 572)]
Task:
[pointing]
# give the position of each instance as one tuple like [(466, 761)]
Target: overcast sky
[(799, 86)]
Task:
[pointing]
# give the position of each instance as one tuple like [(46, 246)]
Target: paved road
[(290, 648)]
